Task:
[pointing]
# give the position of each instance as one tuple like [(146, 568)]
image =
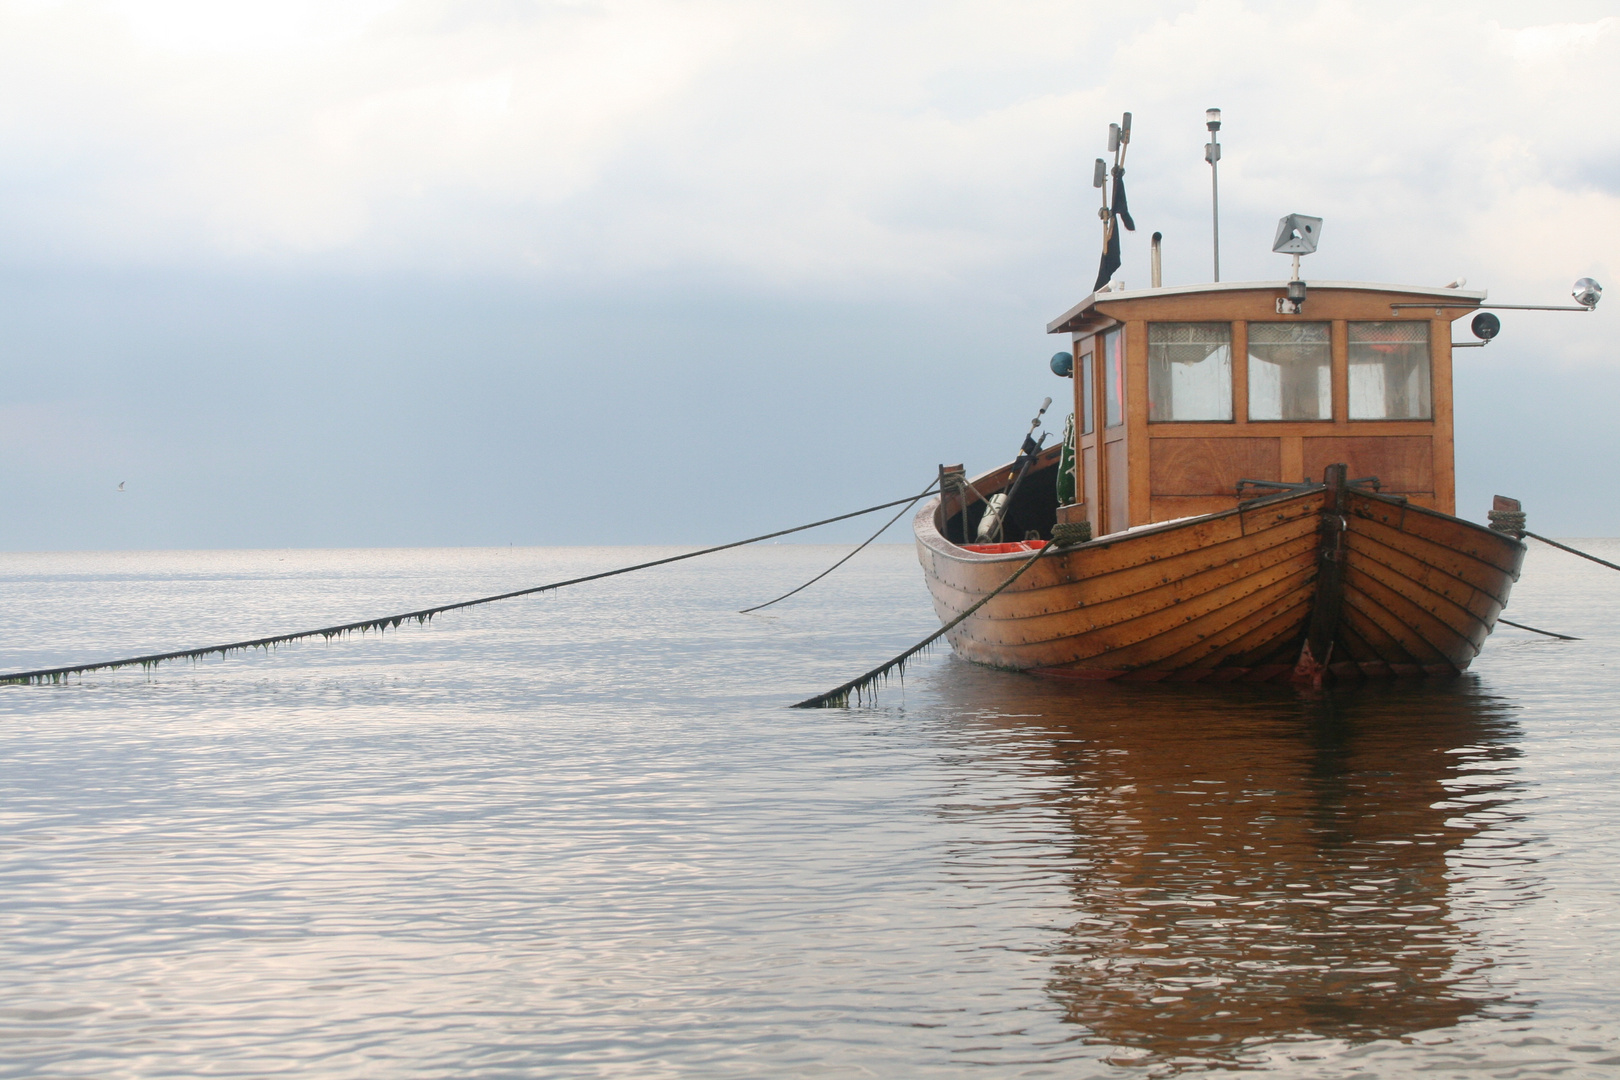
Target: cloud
[(139, 134), (375, 255), (825, 146)]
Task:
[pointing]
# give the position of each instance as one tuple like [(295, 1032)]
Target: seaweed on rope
[(865, 686), (148, 662)]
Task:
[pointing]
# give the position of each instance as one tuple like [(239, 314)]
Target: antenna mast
[(1114, 211), (1212, 154)]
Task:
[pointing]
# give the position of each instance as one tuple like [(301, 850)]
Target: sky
[(373, 273)]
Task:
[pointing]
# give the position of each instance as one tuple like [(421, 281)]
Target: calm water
[(580, 835)]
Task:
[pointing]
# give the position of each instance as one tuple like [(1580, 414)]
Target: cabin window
[(1389, 371), (1189, 371), (1113, 378), (1088, 415), (1290, 371)]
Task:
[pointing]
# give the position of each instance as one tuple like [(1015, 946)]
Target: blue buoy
[(1063, 364)]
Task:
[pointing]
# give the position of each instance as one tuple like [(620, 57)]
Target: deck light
[(1587, 292), (1485, 326), (1063, 365), (1297, 234)]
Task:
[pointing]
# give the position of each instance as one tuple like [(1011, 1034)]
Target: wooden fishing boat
[(1268, 474)]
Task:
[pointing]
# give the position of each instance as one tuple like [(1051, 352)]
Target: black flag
[(1119, 215), (1110, 259), (1121, 210)]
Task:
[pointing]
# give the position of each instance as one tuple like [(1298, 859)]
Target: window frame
[(1088, 391), (1113, 348), (1231, 371), (1248, 373), (1427, 383)]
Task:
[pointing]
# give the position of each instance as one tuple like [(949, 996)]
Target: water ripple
[(580, 836)]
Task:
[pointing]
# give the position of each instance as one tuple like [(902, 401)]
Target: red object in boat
[(1024, 546)]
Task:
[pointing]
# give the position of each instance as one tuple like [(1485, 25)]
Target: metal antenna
[(1212, 154)]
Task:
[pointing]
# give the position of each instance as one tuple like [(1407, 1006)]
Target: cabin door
[(1115, 477), (1088, 487)]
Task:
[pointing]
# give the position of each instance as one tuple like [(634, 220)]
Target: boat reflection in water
[(1255, 866)]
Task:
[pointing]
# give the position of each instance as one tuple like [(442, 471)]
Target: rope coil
[(1068, 533), (1511, 522)]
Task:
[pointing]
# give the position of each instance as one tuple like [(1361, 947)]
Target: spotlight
[(1485, 326)]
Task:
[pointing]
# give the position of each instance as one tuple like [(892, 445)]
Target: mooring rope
[(1512, 523), (1533, 630), (1561, 547), (421, 616), (1572, 551), (845, 559), (838, 697)]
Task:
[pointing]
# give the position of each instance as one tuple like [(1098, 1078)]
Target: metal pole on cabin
[(1212, 154)]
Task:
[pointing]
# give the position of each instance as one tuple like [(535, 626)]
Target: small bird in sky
[(121, 484)]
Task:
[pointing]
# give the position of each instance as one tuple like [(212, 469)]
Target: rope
[(1572, 551), (1072, 532), (1507, 521), (838, 697), (392, 621), (1533, 630), (842, 561), (957, 481)]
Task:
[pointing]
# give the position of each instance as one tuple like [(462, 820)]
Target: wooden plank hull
[(1232, 595)]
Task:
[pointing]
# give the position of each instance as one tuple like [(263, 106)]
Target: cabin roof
[(1076, 317)]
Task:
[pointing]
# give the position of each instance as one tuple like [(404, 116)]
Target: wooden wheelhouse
[(1182, 393)]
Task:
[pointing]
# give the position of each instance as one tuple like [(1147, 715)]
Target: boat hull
[(1381, 587)]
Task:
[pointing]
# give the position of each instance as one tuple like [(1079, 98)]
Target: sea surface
[(582, 835)]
